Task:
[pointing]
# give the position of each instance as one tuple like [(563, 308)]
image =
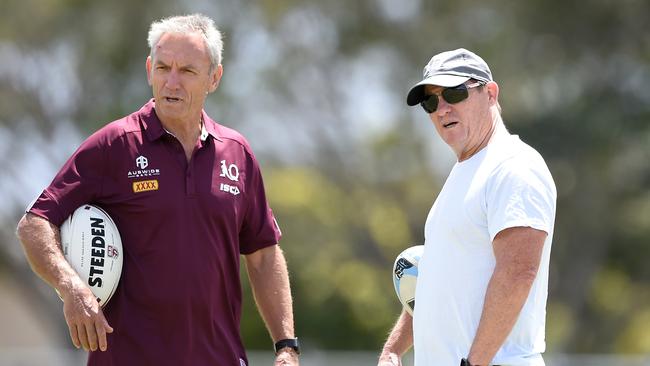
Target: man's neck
[(185, 131), (496, 127)]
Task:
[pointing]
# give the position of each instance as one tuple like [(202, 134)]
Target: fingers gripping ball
[(405, 274), (92, 245)]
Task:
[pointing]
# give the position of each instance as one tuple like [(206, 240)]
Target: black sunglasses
[(452, 95)]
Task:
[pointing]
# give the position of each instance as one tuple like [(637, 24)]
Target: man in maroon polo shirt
[(187, 196)]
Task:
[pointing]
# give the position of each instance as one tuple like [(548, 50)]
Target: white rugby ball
[(92, 245), (405, 274)]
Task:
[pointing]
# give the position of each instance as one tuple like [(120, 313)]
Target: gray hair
[(186, 24)]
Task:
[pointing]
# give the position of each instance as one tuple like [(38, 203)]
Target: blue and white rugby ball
[(405, 274)]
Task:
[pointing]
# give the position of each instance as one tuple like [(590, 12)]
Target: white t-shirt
[(506, 184)]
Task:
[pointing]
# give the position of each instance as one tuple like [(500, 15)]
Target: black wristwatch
[(465, 362), (284, 343)]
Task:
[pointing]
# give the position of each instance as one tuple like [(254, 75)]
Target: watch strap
[(287, 343), (465, 362)]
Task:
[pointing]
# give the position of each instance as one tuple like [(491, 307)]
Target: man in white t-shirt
[(483, 278)]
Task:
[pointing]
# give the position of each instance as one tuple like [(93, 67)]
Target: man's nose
[(443, 106), (173, 80)]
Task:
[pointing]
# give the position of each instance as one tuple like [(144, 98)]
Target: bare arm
[(86, 322), (518, 253), (269, 278), (399, 341)]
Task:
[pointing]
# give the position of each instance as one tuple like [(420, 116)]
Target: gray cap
[(450, 68)]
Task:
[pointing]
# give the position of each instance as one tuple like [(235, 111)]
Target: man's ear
[(148, 66), (493, 92), (215, 78)]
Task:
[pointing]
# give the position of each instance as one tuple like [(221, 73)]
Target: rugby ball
[(92, 245), (405, 274)]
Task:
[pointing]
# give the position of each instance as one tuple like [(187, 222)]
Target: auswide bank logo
[(142, 163)]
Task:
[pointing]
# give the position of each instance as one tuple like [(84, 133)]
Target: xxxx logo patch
[(145, 185)]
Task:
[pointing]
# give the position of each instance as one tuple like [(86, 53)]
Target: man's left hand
[(286, 357)]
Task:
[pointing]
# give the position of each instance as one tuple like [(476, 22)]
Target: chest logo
[(230, 189), (142, 162), (229, 171), (145, 185)]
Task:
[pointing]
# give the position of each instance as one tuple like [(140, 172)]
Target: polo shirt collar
[(155, 130), (209, 127)]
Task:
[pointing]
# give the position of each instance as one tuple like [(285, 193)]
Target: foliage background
[(319, 88)]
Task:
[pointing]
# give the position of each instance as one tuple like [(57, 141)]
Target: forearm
[(269, 278), (400, 338), (504, 299), (86, 322), (41, 243)]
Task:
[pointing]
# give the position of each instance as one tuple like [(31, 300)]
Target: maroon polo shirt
[(183, 226)]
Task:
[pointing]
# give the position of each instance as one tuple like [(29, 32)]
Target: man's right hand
[(389, 359), (86, 321), (41, 241)]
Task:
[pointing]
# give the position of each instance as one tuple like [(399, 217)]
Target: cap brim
[(416, 94)]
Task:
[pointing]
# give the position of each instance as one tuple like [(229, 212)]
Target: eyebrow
[(183, 67), (158, 62)]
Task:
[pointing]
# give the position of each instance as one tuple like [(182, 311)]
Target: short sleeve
[(521, 192), (260, 229), (78, 182)]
